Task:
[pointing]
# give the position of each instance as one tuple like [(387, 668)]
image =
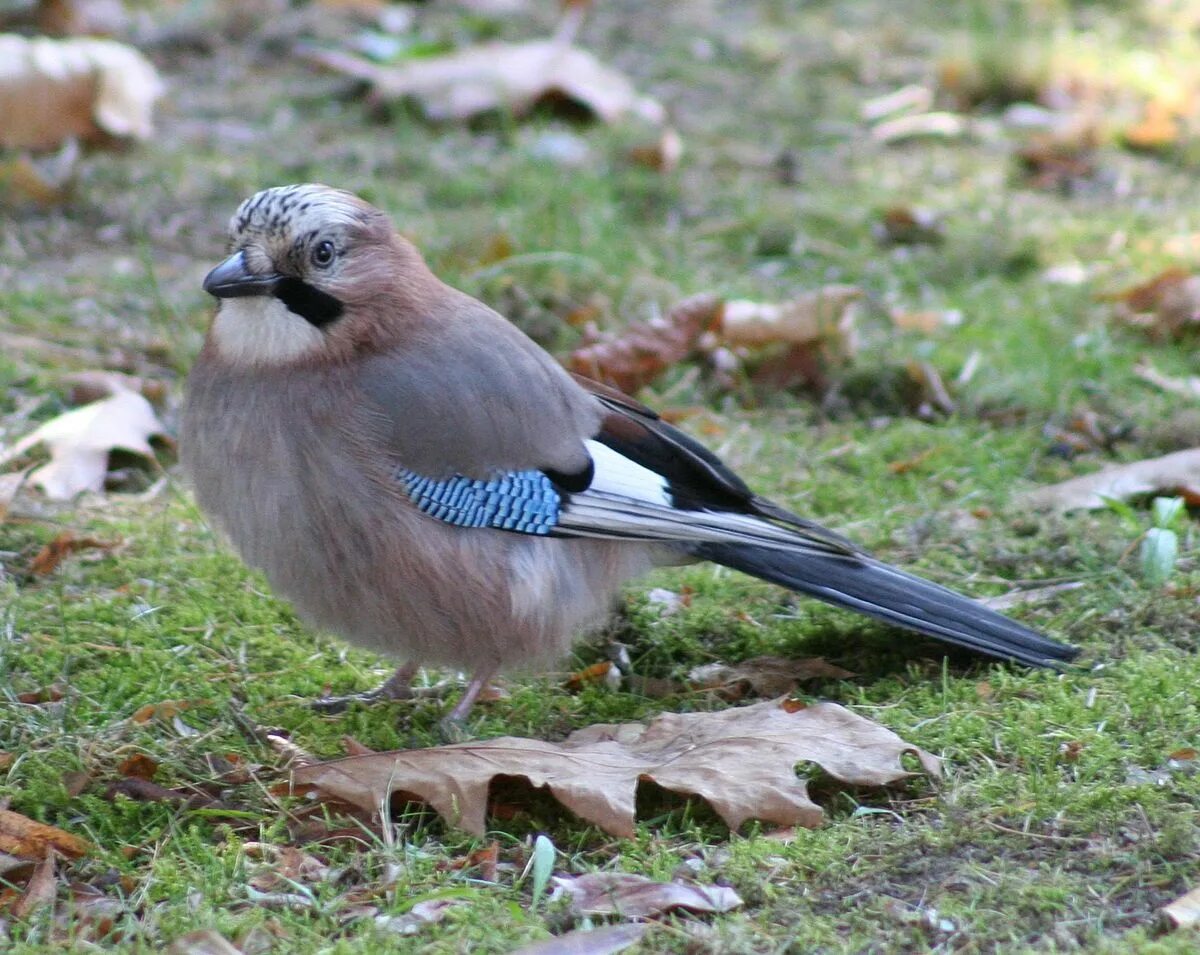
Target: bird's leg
[(453, 724), (397, 687)]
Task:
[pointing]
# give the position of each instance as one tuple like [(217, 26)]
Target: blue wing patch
[(523, 501)]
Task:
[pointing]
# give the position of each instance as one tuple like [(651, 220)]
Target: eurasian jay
[(415, 474)]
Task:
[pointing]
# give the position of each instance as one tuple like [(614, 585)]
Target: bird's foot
[(397, 687), (452, 727)]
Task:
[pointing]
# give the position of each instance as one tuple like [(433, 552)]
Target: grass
[(1061, 825)]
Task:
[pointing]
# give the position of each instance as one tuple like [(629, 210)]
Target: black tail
[(889, 594)]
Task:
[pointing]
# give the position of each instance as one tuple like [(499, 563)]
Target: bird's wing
[(638, 478), (651, 479)]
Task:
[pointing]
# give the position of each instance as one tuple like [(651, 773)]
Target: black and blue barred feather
[(522, 501)]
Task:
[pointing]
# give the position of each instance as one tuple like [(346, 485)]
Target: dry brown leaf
[(40, 890), (54, 552), (513, 77), (46, 694), (905, 225), (741, 761), (591, 941), (139, 765), (763, 676), (643, 351), (204, 942), (80, 440), (1058, 161), (164, 710), (76, 781), (54, 90), (663, 155), (1184, 912), (637, 897), (590, 676), (1166, 306), (28, 839), (822, 315), (1177, 473)]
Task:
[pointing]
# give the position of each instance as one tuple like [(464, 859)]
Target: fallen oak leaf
[(763, 676), (80, 440), (644, 350), (1165, 306), (637, 897), (604, 940), (491, 77), (40, 890), (741, 761), (28, 839), (83, 88), (1172, 474), (822, 315)]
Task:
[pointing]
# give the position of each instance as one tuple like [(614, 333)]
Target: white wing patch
[(616, 475), (628, 501)]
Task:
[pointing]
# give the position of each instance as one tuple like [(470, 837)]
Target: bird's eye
[(322, 253)]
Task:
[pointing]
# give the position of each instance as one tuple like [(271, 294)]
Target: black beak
[(232, 279)]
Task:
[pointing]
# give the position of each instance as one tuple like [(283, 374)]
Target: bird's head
[(310, 273)]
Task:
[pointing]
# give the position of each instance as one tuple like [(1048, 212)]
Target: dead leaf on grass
[(139, 765), (426, 912), (28, 839), (662, 155), (644, 350), (763, 676), (637, 897), (1176, 474), (54, 552), (80, 441), (906, 225), (492, 77), (204, 942), (741, 761), (1164, 307), (164, 710), (40, 890), (1184, 912), (85, 88), (46, 694), (792, 342), (589, 941)]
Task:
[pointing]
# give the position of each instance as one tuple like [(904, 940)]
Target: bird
[(414, 474)]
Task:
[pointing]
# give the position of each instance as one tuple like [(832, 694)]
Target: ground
[(1062, 823)]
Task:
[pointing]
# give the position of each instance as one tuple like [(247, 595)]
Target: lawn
[(1062, 823)]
